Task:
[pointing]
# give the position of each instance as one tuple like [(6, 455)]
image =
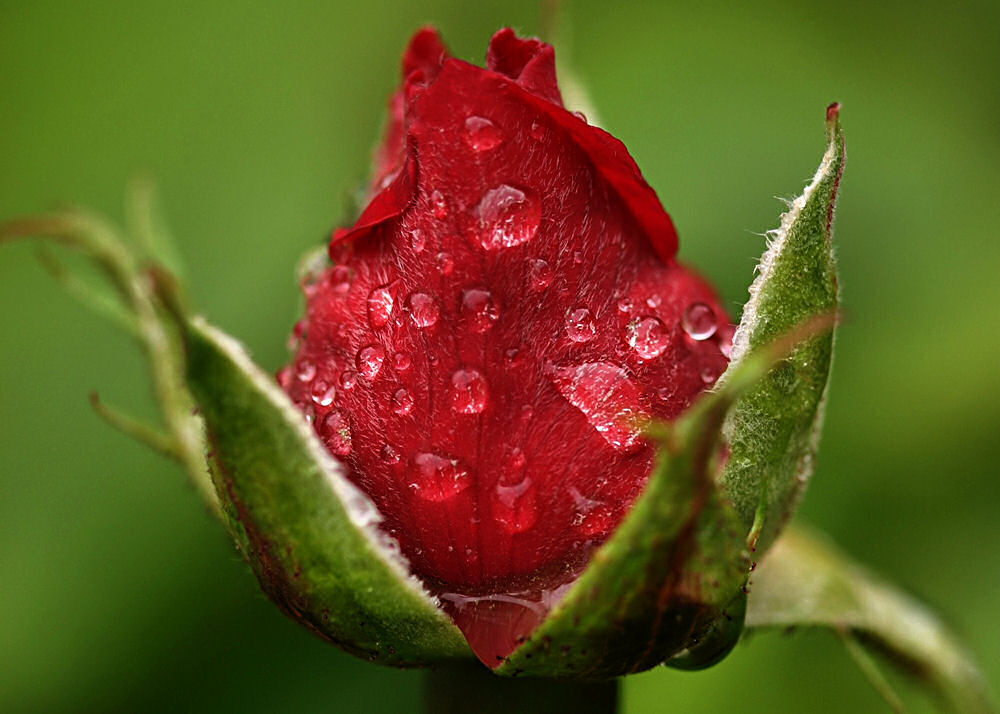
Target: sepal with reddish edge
[(311, 537)]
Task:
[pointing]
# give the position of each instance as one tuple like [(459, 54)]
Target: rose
[(503, 313)]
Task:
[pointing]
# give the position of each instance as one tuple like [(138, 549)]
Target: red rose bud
[(495, 325)]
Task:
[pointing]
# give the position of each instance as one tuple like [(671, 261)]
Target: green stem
[(467, 686)]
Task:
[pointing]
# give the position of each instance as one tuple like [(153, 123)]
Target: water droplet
[(539, 274), (664, 393), (369, 361), (699, 321), (625, 306), (514, 497), (389, 455), (439, 204), (401, 361), (446, 264), (402, 402), (424, 311), (336, 432), (481, 134), (648, 337), (653, 301), (726, 348), (580, 325), (507, 217), (469, 391), (709, 375), (284, 377), (479, 311), (417, 240), (578, 257), (340, 279), (581, 116), (436, 478), (323, 393), (603, 392), (537, 130), (348, 378), (306, 371), (381, 302)]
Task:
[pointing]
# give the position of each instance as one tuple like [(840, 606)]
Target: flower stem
[(468, 686)]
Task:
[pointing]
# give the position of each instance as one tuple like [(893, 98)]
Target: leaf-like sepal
[(773, 429), (311, 536)]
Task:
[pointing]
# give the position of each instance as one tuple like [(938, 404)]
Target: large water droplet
[(306, 371), (436, 478), (603, 392), (402, 402), (424, 311), (322, 393), (699, 321), (479, 311), (381, 302), (580, 325), (539, 274), (648, 337), (507, 217), (481, 134), (469, 391), (369, 361), (439, 204), (336, 432)]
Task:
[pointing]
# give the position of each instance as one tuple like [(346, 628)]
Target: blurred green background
[(118, 593)]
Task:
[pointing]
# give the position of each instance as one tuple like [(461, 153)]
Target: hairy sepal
[(773, 429), (311, 537)]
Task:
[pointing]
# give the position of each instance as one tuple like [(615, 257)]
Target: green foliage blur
[(117, 590)]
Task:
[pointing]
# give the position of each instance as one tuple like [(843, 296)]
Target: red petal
[(509, 305)]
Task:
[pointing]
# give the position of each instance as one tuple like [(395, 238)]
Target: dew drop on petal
[(389, 455), (436, 478), (306, 371), (653, 301), (625, 306), (381, 302), (514, 497), (481, 134), (369, 361), (348, 378), (479, 311), (507, 217), (648, 337), (709, 375), (539, 274), (401, 361), (699, 321), (336, 432), (537, 131), (322, 393), (402, 402), (603, 392), (580, 325), (439, 204), (581, 116), (424, 311), (469, 392), (417, 240), (340, 279), (446, 264), (284, 377)]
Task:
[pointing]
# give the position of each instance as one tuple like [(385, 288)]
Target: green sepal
[(773, 429), (311, 536), (661, 580), (806, 581)]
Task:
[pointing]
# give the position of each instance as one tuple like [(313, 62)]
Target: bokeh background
[(118, 593)]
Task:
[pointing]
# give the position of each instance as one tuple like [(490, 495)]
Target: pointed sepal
[(773, 429), (310, 535)]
